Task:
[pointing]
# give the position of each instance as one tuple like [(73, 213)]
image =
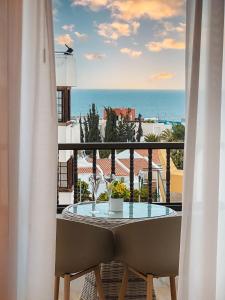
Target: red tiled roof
[(86, 170), (139, 164), (105, 165), (121, 111), (155, 155)]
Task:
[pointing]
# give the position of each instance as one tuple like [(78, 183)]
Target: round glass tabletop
[(130, 210)]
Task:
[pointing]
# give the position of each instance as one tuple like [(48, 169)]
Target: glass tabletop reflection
[(130, 210)]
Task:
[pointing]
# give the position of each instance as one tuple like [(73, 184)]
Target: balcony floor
[(161, 288)]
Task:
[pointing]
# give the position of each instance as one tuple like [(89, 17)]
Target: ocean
[(162, 104)]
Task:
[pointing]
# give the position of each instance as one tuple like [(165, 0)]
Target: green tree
[(111, 125), (178, 158), (91, 126), (140, 130), (82, 188), (86, 130), (121, 131), (178, 132), (81, 131), (129, 128), (151, 137)]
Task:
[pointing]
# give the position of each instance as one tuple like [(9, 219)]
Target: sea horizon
[(150, 103)]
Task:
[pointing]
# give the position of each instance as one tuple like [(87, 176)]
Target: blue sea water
[(163, 104)]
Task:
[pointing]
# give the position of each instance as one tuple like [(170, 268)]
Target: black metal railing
[(93, 147)]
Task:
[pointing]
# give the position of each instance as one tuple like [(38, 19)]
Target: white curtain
[(202, 261), (28, 150)]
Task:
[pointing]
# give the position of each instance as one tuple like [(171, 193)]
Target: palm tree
[(167, 135), (151, 137), (176, 134)]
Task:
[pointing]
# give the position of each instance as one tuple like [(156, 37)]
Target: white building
[(67, 130)]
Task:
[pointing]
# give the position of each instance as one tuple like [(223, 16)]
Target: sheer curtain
[(28, 150), (202, 262)]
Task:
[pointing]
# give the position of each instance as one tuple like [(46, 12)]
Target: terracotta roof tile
[(139, 164), (155, 155), (105, 165), (85, 170)]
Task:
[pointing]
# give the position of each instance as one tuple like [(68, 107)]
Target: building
[(122, 112), (65, 80)]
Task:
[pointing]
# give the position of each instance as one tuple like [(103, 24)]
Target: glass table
[(140, 210), (112, 273)]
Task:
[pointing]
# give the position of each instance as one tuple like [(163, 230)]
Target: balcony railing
[(112, 147)]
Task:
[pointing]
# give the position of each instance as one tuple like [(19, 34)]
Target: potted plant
[(119, 192)]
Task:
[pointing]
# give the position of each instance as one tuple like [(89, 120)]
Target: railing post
[(168, 175), (113, 162), (94, 168), (150, 175), (131, 175), (94, 165), (75, 176)]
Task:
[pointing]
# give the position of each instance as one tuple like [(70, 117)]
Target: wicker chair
[(149, 249), (80, 248)]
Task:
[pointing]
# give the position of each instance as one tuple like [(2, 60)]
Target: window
[(63, 104), (65, 175), (59, 98)]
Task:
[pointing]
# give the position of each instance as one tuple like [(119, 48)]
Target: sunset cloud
[(116, 30), (81, 36), (165, 44), (64, 39), (94, 56), (153, 9), (131, 53), (162, 76), (136, 9), (68, 27)]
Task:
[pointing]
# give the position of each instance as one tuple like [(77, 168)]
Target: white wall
[(156, 128), (75, 133), (65, 70), (65, 198), (68, 134)]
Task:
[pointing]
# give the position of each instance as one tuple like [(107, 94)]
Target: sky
[(124, 44)]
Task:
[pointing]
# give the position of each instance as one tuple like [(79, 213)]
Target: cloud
[(92, 4), (181, 27), (136, 9), (164, 28), (162, 76), (94, 56), (64, 39), (115, 30), (81, 36), (169, 27), (153, 9), (130, 52), (68, 27), (135, 26), (165, 44)]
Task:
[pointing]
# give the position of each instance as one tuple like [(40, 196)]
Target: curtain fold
[(38, 155), (202, 265), (28, 150)]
